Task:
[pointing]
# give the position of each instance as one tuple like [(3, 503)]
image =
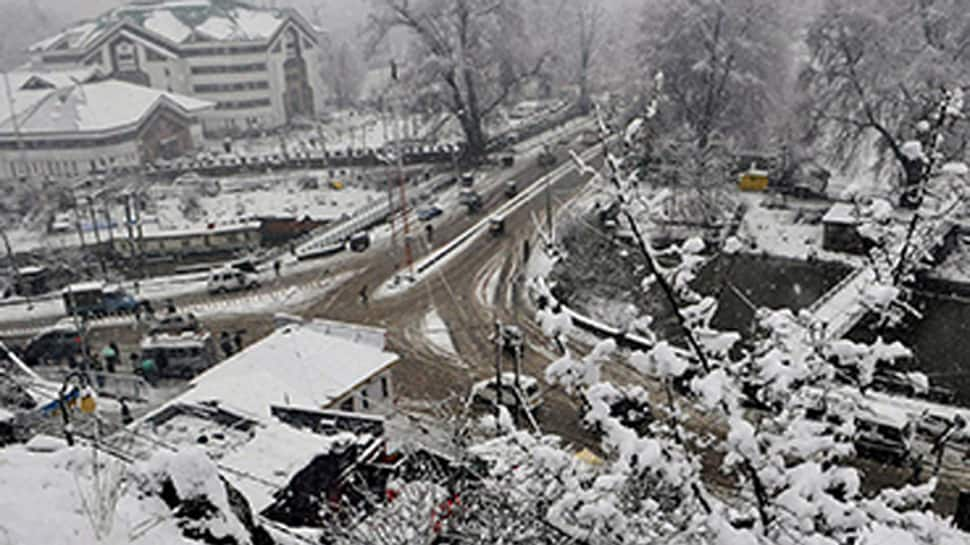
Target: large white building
[(61, 125), (259, 66)]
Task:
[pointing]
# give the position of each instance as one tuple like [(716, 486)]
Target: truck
[(184, 355), (97, 299)]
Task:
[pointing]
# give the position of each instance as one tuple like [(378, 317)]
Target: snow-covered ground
[(436, 330)]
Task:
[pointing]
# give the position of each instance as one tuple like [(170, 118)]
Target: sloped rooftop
[(86, 107), (176, 21)]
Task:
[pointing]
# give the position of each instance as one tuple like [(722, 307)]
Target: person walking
[(170, 305), (225, 342), (276, 267), (363, 295), (110, 356), (237, 340), (149, 370)]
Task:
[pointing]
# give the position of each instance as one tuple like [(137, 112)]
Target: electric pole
[(498, 370), (97, 236)]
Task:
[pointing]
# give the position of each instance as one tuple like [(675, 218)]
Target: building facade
[(259, 66), (62, 125)]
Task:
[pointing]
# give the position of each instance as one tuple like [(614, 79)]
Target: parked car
[(883, 435), (177, 324), (484, 393), (226, 280), (429, 213), (53, 345), (183, 356), (511, 188), (96, 299), (467, 179)]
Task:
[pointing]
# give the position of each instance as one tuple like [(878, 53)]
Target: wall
[(369, 397)]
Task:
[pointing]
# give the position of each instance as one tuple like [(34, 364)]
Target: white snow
[(164, 23), (436, 330), (295, 365)]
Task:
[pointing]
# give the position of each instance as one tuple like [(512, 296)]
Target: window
[(347, 406), (243, 104), (152, 56), (229, 68), (385, 387), (230, 87), (364, 402)]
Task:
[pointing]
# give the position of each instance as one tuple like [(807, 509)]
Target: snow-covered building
[(312, 365), (258, 65), (64, 124)]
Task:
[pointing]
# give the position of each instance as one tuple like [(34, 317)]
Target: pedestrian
[(125, 412), (149, 310), (225, 342), (149, 370), (363, 295), (110, 355), (237, 340), (170, 305), (134, 359), (429, 229), (276, 267)]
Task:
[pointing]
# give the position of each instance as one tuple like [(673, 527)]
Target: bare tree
[(723, 61), (879, 71), (470, 55)]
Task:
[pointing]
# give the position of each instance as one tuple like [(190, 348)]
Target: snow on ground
[(794, 232), (436, 330), (62, 487), (267, 195)]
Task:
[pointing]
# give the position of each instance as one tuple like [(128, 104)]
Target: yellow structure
[(753, 180), (336, 184)]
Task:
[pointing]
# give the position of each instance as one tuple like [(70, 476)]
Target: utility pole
[(408, 257), (97, 236), (498, 369), (16, 127), (13, 264), (77, 219), (549, 218)]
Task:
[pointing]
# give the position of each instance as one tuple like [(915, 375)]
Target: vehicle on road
[(470, 199), (496, 226), (467, 179), (175, 324), (547, 158), (429, 213), (56, 344), (512, 339), (485, 394), (228, 279), (97, 299), (180, 356), (511, 188), (359, 242), (884, 435)]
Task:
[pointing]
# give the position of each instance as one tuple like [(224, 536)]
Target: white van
[(229, 279)]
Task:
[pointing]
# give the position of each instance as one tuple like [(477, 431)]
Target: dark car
[(53, 345), (429, 213)]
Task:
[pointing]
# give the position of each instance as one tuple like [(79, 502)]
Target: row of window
[(243, 104), (57, 168), (229, 68), (220, 51), (230, 87)]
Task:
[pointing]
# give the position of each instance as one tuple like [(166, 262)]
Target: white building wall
[(376, 396), (67, 163)]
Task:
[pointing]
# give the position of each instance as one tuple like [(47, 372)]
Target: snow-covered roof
[(176, 22), (89, 108), (841, 212), (93, 285), (295, 365)]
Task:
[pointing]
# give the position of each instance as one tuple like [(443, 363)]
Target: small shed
[(840, 230)]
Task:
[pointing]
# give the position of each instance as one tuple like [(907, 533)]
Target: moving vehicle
[(359, 242), (176, 324), (511, 188), (467, 179), (56, 344), (471, 199), (484, 393), (97, 299), (229, 279), (884, 435), (180, 356), (429, 213), (547, 158), (496, 226), (513, 340), (31, 280)]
